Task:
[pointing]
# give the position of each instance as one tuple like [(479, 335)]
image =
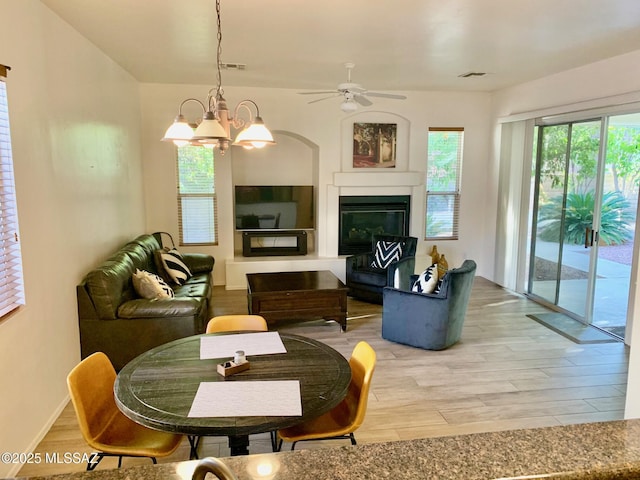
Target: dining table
[(166, 387)]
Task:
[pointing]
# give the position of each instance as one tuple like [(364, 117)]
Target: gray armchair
[(366, 282), (432, 321)]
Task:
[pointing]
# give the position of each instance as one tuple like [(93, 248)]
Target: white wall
[(75, 132), (324, 125), (608, 82)]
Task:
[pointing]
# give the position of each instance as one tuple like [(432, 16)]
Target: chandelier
[(214, 128)]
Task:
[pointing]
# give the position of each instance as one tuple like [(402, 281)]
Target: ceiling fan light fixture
[(349, 106), (352, 93)]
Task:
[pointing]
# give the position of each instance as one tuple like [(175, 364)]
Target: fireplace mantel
[(378, 178)]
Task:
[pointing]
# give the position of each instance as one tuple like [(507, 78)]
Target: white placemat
[(247, 399), (223, 346)]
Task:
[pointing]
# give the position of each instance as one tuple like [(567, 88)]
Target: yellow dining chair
[(102, 424), (344, 419), (230, 323)]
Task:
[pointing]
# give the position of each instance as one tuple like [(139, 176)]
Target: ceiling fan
[(353, 93)]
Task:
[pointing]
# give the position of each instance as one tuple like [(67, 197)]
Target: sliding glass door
[(585, 197)]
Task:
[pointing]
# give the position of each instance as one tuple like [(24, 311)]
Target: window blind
[(444, 165), (197, 215), (11, 281)]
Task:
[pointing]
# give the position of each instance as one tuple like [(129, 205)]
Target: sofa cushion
[(150, 285), (160, 308), (386, 253), (175, 267), (138, 256), (194, 290), (427, 281), (110, 284)]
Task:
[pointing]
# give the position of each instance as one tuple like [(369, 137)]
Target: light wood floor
[(508, 372)]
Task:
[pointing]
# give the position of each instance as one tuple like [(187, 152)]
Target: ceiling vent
[(472, 74), (233, 66)]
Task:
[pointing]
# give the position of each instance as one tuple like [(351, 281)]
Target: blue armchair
[(366, 282), (432, 321)]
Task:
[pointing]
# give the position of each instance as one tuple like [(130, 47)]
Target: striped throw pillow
[(386, 253), (175, 267)]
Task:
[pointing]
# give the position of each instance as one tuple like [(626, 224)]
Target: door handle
[(590, 237), (587, 232)]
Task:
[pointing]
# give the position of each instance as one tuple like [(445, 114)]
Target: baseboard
[(41, 434)]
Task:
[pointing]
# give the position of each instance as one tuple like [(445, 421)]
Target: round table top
[(157, 388)]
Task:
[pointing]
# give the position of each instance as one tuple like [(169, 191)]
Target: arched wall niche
[(295, 161)]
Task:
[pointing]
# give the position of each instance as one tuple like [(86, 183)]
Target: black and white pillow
[(427, 281), (175, 267), (386, 253), (149, 285)]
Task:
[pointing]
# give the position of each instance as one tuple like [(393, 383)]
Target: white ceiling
[(396, 45)]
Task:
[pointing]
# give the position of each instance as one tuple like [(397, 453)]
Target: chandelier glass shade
[(214, 128)]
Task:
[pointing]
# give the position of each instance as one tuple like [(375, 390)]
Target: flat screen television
[(276, 207)]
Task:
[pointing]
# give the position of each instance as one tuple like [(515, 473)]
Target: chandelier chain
[(219, 91)]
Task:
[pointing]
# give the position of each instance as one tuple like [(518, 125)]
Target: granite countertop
[(607, 450)]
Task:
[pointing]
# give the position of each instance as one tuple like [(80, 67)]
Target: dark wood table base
[(294, 296), (238, 445)]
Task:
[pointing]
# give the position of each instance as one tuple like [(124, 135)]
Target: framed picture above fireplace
[(374, 145)]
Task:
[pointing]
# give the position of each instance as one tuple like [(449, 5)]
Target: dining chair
[(103, 426), (230, 323), (344, 419)]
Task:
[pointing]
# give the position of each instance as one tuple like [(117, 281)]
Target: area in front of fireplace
[(361, 217)]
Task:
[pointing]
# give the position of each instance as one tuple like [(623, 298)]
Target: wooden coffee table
[(294, 296)]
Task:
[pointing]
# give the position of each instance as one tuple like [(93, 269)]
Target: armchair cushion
[(370, 276), (386, 253)]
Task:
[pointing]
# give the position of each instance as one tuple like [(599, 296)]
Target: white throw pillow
[(427, 281), (149, 285)]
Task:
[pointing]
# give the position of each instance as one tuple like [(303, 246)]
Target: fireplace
[(361, 217)]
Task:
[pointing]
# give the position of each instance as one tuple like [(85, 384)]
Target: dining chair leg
[(194, 443), (274, 441)]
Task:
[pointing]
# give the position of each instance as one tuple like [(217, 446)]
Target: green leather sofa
[(115, 320)]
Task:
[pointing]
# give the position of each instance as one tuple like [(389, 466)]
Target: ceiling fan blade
[(362, 100), (386, 95), (315, 93), (325, 98)]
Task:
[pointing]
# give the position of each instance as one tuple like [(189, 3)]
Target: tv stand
[(252, 242)]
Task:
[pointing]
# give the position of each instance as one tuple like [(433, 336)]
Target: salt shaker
[(239, 357)]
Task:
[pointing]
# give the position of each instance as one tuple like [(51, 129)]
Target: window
[(11, 283), (444, 165), (197, 218)]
